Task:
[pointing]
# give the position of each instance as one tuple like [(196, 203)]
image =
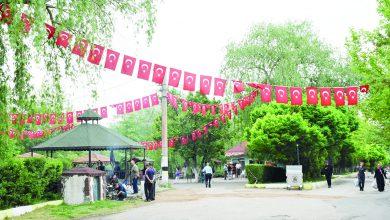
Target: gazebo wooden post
[(51, 154), (89, 158), (32, 153), (126, 167), (47, 153), (144, 153)]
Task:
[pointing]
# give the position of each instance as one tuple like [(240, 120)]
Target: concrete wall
[(18, 211), (74, 189)]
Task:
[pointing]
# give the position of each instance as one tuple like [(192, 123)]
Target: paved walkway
[(230, 200)]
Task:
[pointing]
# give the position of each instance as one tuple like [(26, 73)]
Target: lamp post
[(298, 153)]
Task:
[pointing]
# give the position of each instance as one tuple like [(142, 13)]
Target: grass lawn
[(78, 211)]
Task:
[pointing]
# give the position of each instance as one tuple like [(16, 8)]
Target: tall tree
[(19, 50), (370, 59)]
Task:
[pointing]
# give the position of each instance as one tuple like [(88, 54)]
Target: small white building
[(83, 184)]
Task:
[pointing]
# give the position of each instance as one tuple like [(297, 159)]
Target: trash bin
[(294, 176)]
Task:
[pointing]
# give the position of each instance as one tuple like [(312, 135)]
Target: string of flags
[(114, 60), (30, 134), (70, 117)]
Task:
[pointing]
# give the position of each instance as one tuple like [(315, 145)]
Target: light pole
[(164, 134), (298, 153)]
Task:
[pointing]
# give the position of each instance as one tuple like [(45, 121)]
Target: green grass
[(64, 211)]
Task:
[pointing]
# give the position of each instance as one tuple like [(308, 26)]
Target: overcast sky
[(192, 35)]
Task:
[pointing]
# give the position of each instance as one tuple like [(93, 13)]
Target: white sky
[(192, 35)]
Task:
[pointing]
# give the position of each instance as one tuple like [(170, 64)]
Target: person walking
[(134, 176), (238, 169), (229, 171), (208, 174), (361, 175), (225, 171), (328, 172), (149, 181), (177, 175), (380, 176)]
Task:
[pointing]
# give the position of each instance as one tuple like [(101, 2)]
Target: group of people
[(135, 178), (379, 176), (230, 170)]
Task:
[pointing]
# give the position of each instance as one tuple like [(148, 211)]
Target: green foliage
[(319, 132), (258, 173), (24, 181), (370, 60)]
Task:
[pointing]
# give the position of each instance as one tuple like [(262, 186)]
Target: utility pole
[(164, 134)]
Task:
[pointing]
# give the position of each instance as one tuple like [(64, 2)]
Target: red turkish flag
[(38, 119), (80, 48), (103, 112), (352, 95), (205, 84), (145, 102), (223, 119), (158, 73), (266, 93), (78, 114), (11, 134), (128, 65), (213, 109), (195, 108), (129, 106), (205, 129), (27, 22), (296, 95), (198, 134), (69, 117), (219, 87), (112, 58), (52, 120), (216, 123), (171, 142), (189, 81), (144, 69), (281, 94), (221, 111), (120, 109), (184, 105), (60, 119), (137, 104), (63, 39), (30, 119), (5, 13), (339, 96), (204, 110), (193, 136), (226, 108), (174, 77), (234, 108), (254, 85), (184, 140), (50, 31), (241, 104), (155, 100), (95, 54), (312, 96), (238, 86), (325, 96), (39, 134), (364, 88), (14, 118)]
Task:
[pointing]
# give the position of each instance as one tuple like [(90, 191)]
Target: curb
[(18, 211), (306, 186)]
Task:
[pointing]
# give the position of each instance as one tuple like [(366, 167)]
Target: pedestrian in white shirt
[(208, 174)]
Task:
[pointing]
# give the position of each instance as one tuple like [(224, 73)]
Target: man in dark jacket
[(361, 175), (328, 171)]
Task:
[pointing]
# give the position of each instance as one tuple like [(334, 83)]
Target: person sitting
[(101, 166), (121, 192), (114, 180)]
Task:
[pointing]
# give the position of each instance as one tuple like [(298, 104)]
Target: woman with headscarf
[(380, 176)]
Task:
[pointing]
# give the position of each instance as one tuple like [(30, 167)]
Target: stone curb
[(306, 186), (18, 211)]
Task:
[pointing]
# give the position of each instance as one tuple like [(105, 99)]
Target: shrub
[(258, 173), (24, 181)]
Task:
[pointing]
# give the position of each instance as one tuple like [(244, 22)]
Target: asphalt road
[(231, 200)]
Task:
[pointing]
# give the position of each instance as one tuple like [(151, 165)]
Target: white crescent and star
[(219, 85), (111, 57), (340, 94), (325, 94), (128, 63), (174, 75), (266, 90), (280, 92), (312, 93), (189, 79), (352, 93), (206, 82), (296, 93), (64, 36), (98, 52), (144, 67)]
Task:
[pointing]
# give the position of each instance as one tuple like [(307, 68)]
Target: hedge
[(258, 173), (25, 181)]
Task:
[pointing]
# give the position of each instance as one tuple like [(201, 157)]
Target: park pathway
[(230, 200)]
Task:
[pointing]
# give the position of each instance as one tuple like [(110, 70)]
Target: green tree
[(92, 20), (370, 60), (277, 137)]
